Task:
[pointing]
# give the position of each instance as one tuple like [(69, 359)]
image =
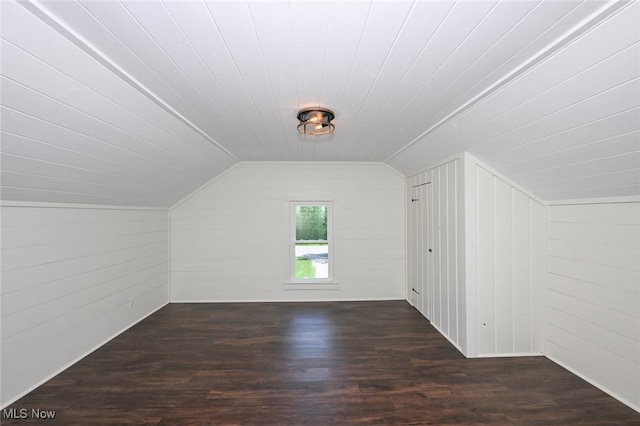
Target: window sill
[(311, 285)]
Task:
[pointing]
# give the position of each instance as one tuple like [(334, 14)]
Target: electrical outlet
[(130, 302)]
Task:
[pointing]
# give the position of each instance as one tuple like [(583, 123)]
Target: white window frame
[(316, 283)]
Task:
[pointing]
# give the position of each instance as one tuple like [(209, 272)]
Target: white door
[(414, 247), (427, 249), (419, 232)]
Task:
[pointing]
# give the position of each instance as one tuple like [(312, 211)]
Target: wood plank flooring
[(309, 363)]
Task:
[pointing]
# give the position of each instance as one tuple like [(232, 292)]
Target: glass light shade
[(316, 121)]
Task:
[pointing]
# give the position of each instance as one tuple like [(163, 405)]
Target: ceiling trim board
[(61, 28), (577, 30), (631, 199), (309, 163), (574, 194), (46, 205)]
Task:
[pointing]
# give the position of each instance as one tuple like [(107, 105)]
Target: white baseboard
[(281, 300), (599, 386), (508, 355)]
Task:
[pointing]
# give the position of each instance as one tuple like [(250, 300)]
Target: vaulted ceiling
[(142, 102)]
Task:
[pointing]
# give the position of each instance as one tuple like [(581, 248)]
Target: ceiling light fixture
[(316, 121)]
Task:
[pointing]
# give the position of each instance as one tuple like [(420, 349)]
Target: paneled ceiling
[(142, 102)]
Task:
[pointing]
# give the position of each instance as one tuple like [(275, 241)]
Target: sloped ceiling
[(141, 102)]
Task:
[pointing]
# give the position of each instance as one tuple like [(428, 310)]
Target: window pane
[(311, 223), (312, 260)]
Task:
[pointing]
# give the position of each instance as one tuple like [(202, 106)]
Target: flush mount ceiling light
[(316, 121)]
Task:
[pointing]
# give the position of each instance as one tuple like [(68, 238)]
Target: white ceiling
[(141, 102)]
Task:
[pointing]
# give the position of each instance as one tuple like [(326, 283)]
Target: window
[(311, 242)]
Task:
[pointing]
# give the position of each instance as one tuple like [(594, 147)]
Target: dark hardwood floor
[(309, 363)]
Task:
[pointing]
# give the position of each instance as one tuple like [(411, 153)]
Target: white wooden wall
[(593, 308), (505, 277), (231, 240), (67, 278), (482, 285), (436, 222)]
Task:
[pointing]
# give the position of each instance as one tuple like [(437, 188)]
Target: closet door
[(420, 259), (415, 260), (427, 251)]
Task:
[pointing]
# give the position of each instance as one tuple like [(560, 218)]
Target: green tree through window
[(311, 241), (311, 223)]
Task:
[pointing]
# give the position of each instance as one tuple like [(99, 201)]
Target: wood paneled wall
[(506, 267), (436, 248), (482, 284), (72, 278), (593, 301), (231, 240)]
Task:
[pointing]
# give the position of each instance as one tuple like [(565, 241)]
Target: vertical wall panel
[(437, 250), (421, 243), (504, 284), (522, 272), (430, 261), (486, 254), (485, 278), (442, 269), (424, 308), (72, 278), (507, 277), (452, 253), (445, 284), (412, 241), (463, 239), (593, 300), (539, 273)]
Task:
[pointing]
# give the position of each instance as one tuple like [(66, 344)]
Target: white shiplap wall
[(230, 241), (75, 131), (505, 276), (593, 300), (482, 285), (566, 125), (68, 275), (436, 221)]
